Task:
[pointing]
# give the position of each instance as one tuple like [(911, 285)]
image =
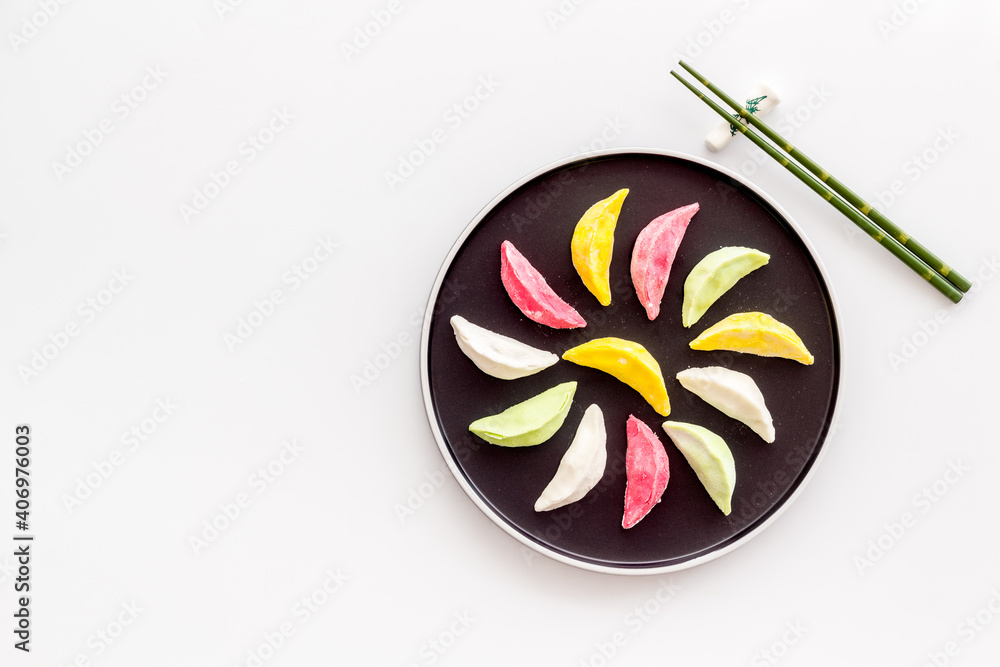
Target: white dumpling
[(581, 467), (732, 392), (498, 355)]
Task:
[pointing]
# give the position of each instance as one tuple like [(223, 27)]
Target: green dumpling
[(710, 457), (530, 422), (714, 276)]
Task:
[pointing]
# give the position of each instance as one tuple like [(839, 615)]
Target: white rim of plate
[(439, 437)]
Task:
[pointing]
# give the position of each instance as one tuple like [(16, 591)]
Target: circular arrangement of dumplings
[(647, 467)]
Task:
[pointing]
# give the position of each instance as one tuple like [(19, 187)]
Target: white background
[(866, 86)]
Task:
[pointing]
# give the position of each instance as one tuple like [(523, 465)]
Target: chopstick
[(834, 184), (945, 279)]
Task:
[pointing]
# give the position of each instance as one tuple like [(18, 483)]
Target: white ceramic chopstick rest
[(759, 101)]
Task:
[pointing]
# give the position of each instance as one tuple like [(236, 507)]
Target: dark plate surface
[(538, 216)]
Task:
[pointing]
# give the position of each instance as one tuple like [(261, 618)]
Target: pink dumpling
[(647, 471), (653, 255), (529, 292)]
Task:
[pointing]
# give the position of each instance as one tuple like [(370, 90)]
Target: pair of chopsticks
[(925, 263)]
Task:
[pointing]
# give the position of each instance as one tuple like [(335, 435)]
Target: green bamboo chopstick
[(866, 225), (834, 184)]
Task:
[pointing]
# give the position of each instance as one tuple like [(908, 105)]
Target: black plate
[(538, 216)]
